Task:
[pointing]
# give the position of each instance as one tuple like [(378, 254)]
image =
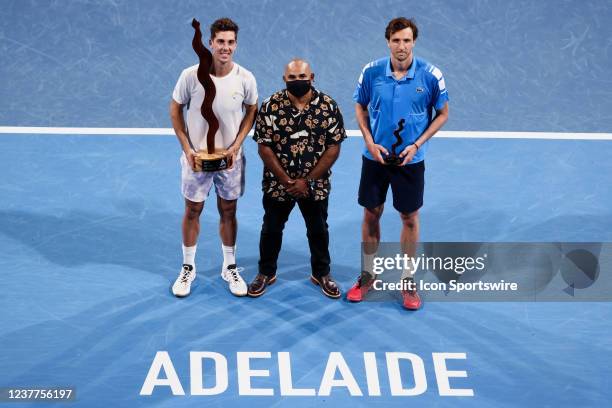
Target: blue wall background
[(519, 65)]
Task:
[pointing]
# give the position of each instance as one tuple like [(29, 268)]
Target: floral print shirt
[(298, 139)]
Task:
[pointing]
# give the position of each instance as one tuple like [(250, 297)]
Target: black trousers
[(275, 217)]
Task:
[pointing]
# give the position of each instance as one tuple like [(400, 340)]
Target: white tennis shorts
[(229, 184)]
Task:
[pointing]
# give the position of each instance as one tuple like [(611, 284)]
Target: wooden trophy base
[(216, 161)]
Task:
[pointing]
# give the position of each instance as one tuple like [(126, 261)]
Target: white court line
[(85, 131), (351, 132)]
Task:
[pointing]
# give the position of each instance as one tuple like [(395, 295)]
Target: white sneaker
[(182, 284), (237, 285)]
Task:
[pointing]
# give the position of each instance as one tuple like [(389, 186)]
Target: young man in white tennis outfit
[(235, 106)]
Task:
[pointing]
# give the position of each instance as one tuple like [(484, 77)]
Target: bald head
[(297, 69)]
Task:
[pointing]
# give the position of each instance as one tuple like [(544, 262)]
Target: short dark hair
[(398, 24), (223, 24)]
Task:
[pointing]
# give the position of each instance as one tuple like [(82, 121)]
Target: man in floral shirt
[(298, 131)]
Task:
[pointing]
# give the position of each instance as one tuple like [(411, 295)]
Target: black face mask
[(299, 87)]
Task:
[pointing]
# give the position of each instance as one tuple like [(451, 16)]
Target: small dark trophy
[(393, 158), (210, 159)]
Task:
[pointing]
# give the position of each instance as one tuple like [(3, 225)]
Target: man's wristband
[(416, 145)]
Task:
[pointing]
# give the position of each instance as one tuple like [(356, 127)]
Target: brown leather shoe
[(328, 285), (259, 284)]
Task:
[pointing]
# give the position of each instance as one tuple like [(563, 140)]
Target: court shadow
[(148, 241), (465, 222), (566, 228)]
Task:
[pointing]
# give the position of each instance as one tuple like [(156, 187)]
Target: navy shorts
[(407, 185)]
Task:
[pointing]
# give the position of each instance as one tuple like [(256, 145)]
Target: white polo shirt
[(233, 90)]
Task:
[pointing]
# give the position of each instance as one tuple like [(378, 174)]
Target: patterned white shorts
[(229, 184)]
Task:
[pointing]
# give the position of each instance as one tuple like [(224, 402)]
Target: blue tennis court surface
[(90, 225)]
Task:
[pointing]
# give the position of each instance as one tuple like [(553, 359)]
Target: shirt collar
[(409, 74)]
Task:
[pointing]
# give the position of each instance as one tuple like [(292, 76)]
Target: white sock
[(189, 255), (409, 271), (229, 255), (368, 263), (407, 274)]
